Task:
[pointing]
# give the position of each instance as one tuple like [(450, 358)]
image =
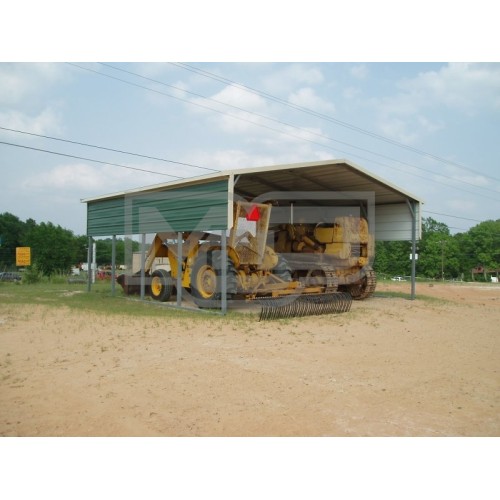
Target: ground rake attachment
[(294, 306)]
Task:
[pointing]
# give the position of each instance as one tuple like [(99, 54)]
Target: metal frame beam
[(113, 265), (223, 272), (179, 269), (89, 263), (413, 211), (143, 263)]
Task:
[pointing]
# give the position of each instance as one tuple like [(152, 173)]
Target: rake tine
[(295, 306), (299, 308), (336, 303), (263, 311), (348, 302)]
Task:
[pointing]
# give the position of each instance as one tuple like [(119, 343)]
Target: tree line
[(441, 255), (53, 248)]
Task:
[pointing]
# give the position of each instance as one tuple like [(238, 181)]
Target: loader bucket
[(294, 306)]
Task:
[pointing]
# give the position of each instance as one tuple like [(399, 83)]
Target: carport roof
[(187, 204), (328, 175)]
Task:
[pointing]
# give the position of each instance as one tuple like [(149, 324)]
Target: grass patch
[(407, 296), (101, 301)]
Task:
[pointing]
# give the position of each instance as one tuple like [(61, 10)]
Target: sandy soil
[(390, 367)]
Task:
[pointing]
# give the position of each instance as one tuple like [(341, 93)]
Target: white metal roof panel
[(327, 176)]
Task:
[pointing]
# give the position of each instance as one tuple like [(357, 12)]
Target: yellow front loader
[(253, 269)]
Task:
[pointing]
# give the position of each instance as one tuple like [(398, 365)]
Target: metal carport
[(205, 202)]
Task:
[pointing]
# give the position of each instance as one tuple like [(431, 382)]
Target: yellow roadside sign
[(23, 256)]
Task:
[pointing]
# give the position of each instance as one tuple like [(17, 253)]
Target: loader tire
[(161, 285), (206, 282)]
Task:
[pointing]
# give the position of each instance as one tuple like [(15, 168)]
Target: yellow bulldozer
[(335, 255), (254, 269)]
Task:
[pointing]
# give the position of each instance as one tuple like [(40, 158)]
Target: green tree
[(80, 249), (393, 258), (52, 248), (104, 249), (431, 226), (438, 256), (439, 251), (12, 230), (480, 246)]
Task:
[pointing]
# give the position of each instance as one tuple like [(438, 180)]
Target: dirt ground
[(390, 367)]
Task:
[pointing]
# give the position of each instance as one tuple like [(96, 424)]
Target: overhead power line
[(281, 122), (311, 112), (90, 159), (203, 106), (107, 149), (453, 216), (279, 131)]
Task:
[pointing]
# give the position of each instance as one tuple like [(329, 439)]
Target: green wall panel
[(197, 207)]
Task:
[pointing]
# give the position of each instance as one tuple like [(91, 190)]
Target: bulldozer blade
[(294, 306)]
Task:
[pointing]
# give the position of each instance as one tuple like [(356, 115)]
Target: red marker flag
[(254, 214)]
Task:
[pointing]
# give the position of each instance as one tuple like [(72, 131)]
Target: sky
[(431, 128)]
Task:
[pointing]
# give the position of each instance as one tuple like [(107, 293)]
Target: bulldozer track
[(329, 279), (366, 288), (332, 282)]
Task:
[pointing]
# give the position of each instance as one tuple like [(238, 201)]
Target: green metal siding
[(201, 207)]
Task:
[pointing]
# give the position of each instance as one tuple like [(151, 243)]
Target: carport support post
[(224, 272), (413, 212), (179, 269), (143, 263), (113, 264), (89, 264)]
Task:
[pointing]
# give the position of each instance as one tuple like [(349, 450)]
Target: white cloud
[(306, 97), (240, 98), (351, 92), (22, 81), (407, 128), (313, 134), (12, 85), (396, 128), (153, 70), (65, 177), (419, 107), (249, 121), (397, 104), (159, 100), (467, 87), (23, 97), (244, 115), (309, 75), (284, 79), (429, 125), (84, 180), (228, 159), (46, 122), (241, 114), (227, 101)]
